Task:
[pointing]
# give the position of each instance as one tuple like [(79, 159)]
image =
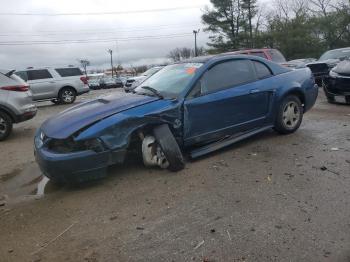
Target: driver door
[(226, 100)]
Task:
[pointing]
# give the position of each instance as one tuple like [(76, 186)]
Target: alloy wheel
[(3, 126), (291, 115), (68, 96)]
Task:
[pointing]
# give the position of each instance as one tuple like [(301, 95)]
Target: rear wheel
[(67, 95), (6, 124), (290, 115), (347, 99), (170, 147)]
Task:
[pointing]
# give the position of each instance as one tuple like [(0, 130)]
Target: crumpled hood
[(343, 68), (74, 119)]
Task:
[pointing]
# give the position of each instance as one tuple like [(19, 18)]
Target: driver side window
[(224, 76)]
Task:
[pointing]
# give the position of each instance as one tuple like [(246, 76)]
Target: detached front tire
[(289, 115), (170, 147), (6, 124)]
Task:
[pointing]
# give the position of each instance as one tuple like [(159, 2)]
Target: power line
[(82, 41), (102, 13), (98, 32)]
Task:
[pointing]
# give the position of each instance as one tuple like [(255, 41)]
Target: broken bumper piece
[(75, 167)]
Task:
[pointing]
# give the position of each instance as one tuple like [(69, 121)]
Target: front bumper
[(337, 86), (75, 167)]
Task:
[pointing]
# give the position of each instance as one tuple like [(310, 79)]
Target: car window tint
[(259, 54), (38, 74), (276, 56), (262, 71), (66, 72), (227, 75)]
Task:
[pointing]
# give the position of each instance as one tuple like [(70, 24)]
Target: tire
[(170, 147), (6, 125), (289, 115), (67, 95), (331, 99), (347, 99)]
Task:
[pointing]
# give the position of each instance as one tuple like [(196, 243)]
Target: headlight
[(333, 74), (39, 140)]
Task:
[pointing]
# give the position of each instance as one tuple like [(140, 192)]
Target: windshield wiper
[(154, 91)]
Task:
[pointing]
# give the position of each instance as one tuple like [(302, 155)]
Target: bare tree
[(84, 64)]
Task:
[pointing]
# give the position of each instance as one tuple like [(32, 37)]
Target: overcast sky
[(160, 31)]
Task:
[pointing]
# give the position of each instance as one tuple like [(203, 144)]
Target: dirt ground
[(269, 198)]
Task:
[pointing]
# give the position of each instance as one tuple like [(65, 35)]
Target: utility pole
[(195, 32), (110, 51)]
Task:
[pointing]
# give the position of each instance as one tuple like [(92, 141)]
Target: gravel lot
[(270, 198)]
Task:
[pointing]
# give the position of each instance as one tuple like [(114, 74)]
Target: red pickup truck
[(267, 53)]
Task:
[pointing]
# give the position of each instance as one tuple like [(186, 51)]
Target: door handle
[(254, 91)]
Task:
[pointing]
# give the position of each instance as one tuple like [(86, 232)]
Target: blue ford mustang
[(195, 106)]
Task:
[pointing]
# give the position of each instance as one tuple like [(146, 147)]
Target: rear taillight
[(84, 79), (19, 88)]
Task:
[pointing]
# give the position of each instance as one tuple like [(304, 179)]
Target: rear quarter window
[(22, 74), (66, 72), (277, 56), (262, 71), (259, 54)]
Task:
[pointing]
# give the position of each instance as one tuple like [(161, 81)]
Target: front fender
[(115, 131)]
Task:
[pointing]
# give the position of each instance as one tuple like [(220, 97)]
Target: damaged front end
[(68, 160), (85, 153)]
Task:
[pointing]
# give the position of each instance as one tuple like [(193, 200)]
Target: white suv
[(61, 85)]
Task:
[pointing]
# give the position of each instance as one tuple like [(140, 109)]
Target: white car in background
[(16, 104), (133, 82), (61, 85)]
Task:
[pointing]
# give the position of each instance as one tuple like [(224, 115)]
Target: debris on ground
[(334, 149), (323, 168), (199, 245), (269, 178)]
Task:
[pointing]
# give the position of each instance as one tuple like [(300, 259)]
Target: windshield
[(336, 54), (171, 80), (151, 71)]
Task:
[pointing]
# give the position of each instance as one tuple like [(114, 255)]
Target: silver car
[(16, 104), (61, 85)]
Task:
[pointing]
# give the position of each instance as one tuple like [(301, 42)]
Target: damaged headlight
[(64, 146)]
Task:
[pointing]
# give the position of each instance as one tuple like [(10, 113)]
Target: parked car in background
[(110, 82), (16, 104), (196, 106), (267, 53), (327, 61), (299, 63), (61, 85), (133, 82), (94, 84), (337, 84)]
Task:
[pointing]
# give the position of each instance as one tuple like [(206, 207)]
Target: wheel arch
[(296, 92), (8, 112)]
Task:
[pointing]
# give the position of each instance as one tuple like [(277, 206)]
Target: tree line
[(299, 28)]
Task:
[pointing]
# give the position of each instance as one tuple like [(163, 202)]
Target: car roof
[(46, 67)]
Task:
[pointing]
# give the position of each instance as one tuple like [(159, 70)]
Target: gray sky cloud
[(159, 31)]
